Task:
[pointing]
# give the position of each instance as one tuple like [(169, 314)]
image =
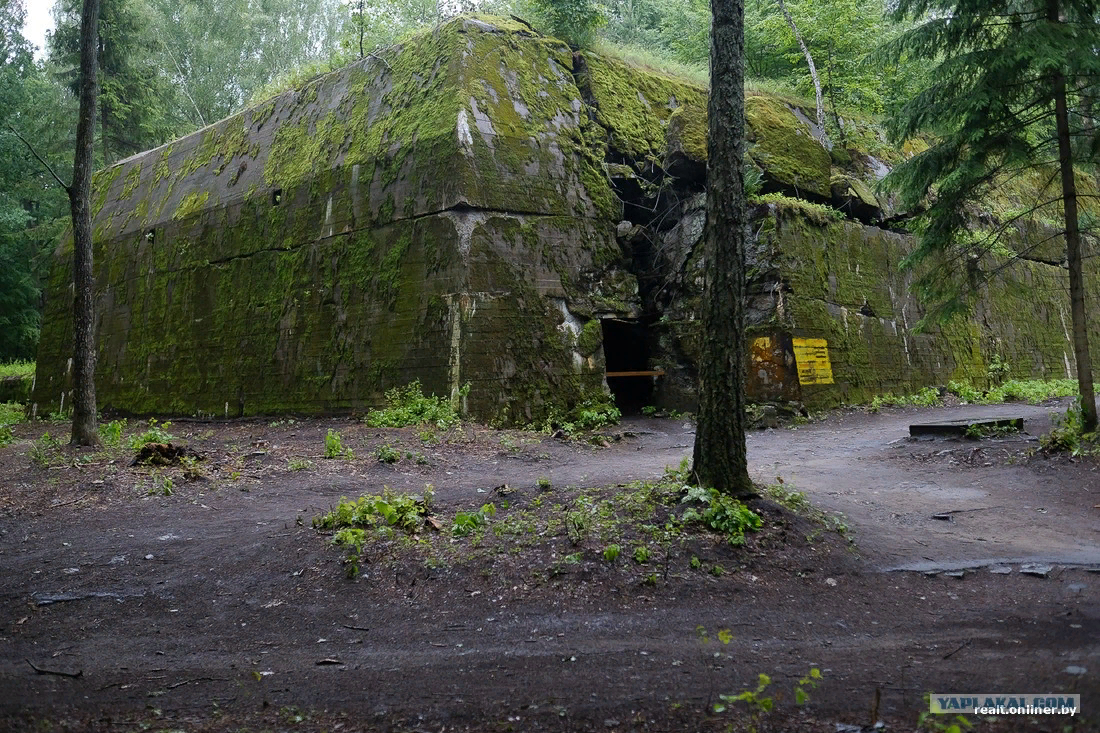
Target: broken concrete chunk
[(1036, 569)]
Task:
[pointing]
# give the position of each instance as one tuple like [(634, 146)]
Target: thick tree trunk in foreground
[(85, 430), (720, 459), (1073, 246)]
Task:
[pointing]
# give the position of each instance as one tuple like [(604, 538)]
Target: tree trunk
[(1073, 245), (85, 431), (823, 138), (720, 459)]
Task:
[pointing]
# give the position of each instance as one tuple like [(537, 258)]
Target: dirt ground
[(218, 607)]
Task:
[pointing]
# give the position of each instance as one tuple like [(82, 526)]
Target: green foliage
[(721, 513), (1067, 434), (611, 553), (988, 108), (401, 511), (926, 397), (817, 213), (761, 704), (466, 523), (590, 414), (45, 450), (154, 433), (111, 434), (334, 446), (641, 554), (573, 21), (977, 432), (408, 406), (133, 96), (10, 413), (387, 454), (17, 368), (1014, 390), (543, 483)]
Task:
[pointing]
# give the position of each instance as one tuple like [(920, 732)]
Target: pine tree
[(1004, 103), (720, 457)]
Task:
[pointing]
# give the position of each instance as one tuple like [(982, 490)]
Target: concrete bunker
[(489, 206)]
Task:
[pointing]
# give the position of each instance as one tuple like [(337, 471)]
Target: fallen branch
[(197, 679), (67, 503), (58, 673), (965, 644)]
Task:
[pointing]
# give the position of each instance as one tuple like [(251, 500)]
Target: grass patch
[(1015, 390), (23, 369), (817, 213), (10, 413), (1033, 391), (660, 525), (647, 60)]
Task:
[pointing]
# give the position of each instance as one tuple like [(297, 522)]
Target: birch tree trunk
[(822, 138)]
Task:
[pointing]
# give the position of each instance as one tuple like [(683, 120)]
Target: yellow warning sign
[(812, 357)]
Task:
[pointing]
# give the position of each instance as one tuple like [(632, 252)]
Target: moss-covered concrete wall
[(464, 209), (439, 214)]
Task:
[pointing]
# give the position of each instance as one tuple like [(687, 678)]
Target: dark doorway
[(626, 354)]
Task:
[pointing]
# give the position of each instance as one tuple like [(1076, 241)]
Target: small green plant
[(353, 539), (299, 464), (466, 523), (696, 563), (111, 433), (611, 553), (576, 526), (591, 414), (401, 511), (721, 513), (409, 406), (926, 397), (978, 432), (543, 483), (761, 704), (1067, 434), (717, 570), (998, 369), (387, 454), (641, 554), (334, 446), (649, 410), (44, 450), (154, 433), (6, 435)]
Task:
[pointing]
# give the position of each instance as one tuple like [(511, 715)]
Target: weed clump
[(1067, 434), (409, 406), (334, 446), (155, 433)]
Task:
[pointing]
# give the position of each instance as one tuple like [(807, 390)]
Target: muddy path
[(216, 601)]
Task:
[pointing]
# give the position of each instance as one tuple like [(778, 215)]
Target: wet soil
[(974, 569)]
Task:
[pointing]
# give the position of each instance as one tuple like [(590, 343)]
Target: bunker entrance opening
[(626, 354)]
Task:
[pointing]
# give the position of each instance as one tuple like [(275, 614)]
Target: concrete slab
[(961, 425)]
